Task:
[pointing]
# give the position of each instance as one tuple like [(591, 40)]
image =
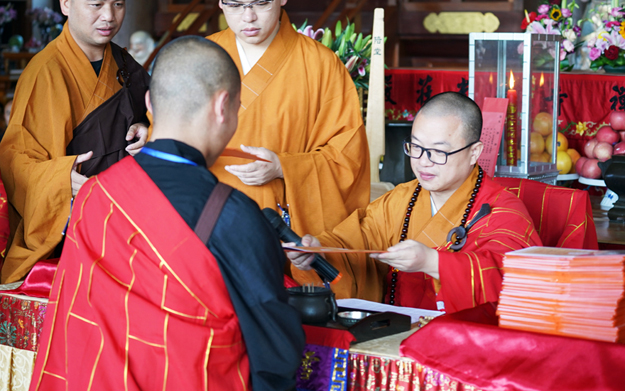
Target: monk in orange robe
[(444, 233), (299, 110), (59, 93), (186, 294)]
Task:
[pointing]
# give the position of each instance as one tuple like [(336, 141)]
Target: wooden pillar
[(375, 105)]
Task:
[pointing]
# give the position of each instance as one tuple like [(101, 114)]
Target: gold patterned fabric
[(16, 368)]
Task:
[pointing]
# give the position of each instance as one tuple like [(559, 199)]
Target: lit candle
[(510, 136), (541, 93)]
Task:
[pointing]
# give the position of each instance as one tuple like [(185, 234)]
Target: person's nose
[(107, 12), (249, 15), (424, 160)]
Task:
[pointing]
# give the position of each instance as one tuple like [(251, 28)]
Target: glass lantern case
[(525, 69)]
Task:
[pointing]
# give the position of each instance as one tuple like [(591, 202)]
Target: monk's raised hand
[(411, 256), (258, 173), (78, 179), (139, 131), (302, 260)]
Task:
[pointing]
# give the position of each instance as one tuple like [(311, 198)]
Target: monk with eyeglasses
[(444, 233), (300, 111)]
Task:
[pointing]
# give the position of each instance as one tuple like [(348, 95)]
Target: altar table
[(375, 365), (21, 321), (610, 234), (372, 365)]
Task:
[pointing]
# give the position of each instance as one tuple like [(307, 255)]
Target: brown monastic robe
[(57, 92)]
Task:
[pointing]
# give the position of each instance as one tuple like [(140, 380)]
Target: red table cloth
[(470, 348)]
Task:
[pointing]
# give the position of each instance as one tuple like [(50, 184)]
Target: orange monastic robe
[(469, 277), (54, 94), (299, 102)]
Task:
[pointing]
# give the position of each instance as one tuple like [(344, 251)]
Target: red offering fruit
[(579, 164), (608, 135), (622, 134), (603, 151), (619, 149), (617, 120), (591, 169), (589, 147)]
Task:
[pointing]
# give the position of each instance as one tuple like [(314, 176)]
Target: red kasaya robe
[(138, 301), (469, 277)]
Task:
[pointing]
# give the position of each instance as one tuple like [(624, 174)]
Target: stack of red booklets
[(576, 293)]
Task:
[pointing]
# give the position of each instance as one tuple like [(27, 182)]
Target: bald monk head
[(445, 144), (93, 24), (194, 95)]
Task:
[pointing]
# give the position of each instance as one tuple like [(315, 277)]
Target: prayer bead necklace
[(411, 204)]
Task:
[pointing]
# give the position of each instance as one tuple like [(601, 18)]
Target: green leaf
[(342, 46), (366, 41), (303, 25)]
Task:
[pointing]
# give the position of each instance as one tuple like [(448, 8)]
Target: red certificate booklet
[(238, 153)]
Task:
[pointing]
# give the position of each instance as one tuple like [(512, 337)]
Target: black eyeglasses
[(436, 156), (239, 8)]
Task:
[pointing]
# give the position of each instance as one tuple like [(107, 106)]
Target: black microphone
[(321, 266)]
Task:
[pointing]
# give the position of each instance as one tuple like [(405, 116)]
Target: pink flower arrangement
[(607, 44), (543, 9), (555, 17), (308, 31), (7, 14), (353, 49), (44, 17)]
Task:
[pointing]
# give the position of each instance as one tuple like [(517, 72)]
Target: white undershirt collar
[(245, 64), (433, 206)]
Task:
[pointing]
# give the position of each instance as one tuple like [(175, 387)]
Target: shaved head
[(458, 105), (187, 73)]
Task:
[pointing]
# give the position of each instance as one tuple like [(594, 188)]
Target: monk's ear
[(476, 151), (283, 2), (220, 103), (148, 102), (65, 6)]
